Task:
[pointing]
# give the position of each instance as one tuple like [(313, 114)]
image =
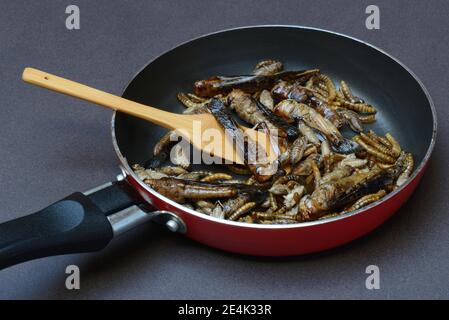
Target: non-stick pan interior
[(404, 109)]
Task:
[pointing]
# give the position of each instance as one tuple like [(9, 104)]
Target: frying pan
[(88, 221)]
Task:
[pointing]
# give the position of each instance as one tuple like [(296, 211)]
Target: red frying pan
[(87, 221)]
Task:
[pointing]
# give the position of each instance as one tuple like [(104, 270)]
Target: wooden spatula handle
[(78, 90)]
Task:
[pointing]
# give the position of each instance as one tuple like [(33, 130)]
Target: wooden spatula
[(191, 127)]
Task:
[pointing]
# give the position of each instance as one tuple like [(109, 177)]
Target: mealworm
[(172, 171), (330, 86), (187, 101), (373, 151), (330, 215), (366, 119), (204, 204), (382, 140), (363, 201), (216, 176), (238, 169), (375, 144), (346, 91), (395, 146), (340, 94), (280, 214), (358, 107), (251, 180), (242, 210), (309, 150)]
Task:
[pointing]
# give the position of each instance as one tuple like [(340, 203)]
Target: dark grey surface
[(52, 145)]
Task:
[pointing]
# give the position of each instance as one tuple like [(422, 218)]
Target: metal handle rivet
[(172, 225)]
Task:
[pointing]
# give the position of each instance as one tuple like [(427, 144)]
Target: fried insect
[(338, 173), (161, 151), (353, 162), (373, 151), (293, 197), (238, 169), (244, 147), (247, 110), (321, 88), (366, 200), (194, 175), (205, 204), (143, 173), (381, 139), (333, 196), (352, 119), (268, 68), (195, 98), (164, 143), (330, 215), (172, 171), (377, 145), (188, 102), (358, 107), (310, 150), (232, 205), (180, 156), (297, 150), (326, 156), (275, 216), (216, 176), (273, 201), (327, 112), (316, 174), (242, 210), (287, 178), (266, 99), (409, 164), (308, 133), (284, 90), (346, 91), (395, 146), (180, 190), (298, 111), (370, 118), (290, 131), (217, 211), (320, 174), (331, 91), (305, 168), (250, 84), (279, 189)]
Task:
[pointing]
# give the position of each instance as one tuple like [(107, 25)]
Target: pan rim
[(128, 171)]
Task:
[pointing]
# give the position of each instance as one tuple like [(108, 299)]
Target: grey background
[(51, 145)]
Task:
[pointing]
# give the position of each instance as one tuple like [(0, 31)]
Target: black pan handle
[(77, 223)]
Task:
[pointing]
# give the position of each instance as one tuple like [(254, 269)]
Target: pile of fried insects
[(321, 173)]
